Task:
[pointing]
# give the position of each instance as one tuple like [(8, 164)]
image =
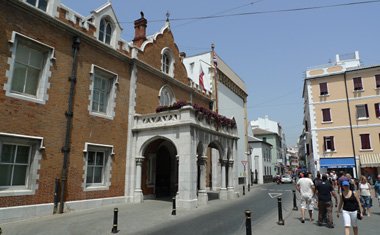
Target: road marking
[(273, 195)]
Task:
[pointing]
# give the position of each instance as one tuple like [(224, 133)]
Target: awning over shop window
[(340, 162), (370, 160)]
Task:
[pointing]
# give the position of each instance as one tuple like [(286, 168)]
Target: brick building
[(89, 119)]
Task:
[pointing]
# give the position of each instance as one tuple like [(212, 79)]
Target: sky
[(268, 43)]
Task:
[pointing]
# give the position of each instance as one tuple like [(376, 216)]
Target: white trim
[(41, 96), (42, 147), (86, 144), (345, 100), (346, 127), (111, 105)]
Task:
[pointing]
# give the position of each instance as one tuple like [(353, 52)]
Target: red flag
[(201, 74)]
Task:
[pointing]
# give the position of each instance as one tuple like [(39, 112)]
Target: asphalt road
[(154, 217), (230, 218)]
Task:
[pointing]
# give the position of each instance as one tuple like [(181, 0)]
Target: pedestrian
[(305, 187), (377, 188), (352, 208), (365, 195), (316, 181), (324, 191), (342, 177)]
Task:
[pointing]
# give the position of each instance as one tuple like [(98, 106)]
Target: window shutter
[(377, 109), (366, 110), (324, 143), (323, 88), (326, 115), (358, 83), (365, 141), (332, 143), (377, 77)]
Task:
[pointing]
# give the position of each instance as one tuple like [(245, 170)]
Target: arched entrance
[(160, 170)]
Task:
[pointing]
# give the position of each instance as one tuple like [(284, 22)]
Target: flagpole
[(215, 76)]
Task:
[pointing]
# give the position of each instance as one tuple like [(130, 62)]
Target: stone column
[(230, 186), (223, 191), (202, 193), (138, 196)]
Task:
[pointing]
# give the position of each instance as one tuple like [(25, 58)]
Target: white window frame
[(32, 173), (164, 92), (41, 96), (107, 23), (327, 139), (37, 3), (167, 67), (111, 97), (107, 167)]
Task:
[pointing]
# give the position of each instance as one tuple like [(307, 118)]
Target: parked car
[(286, 179)]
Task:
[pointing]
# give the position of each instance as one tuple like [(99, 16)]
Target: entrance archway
[(160, 170)]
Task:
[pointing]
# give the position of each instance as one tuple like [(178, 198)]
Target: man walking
[(305, 187), (324, 191)]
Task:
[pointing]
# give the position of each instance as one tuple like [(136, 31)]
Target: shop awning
[(370, 160), (339, 162)]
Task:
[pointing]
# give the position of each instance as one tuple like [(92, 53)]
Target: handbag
[(359, 215)]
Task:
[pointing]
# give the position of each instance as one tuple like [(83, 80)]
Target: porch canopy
[(339, 162), (370, 160)]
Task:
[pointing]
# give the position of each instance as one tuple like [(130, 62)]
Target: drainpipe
[(349, 118), (69, 118)]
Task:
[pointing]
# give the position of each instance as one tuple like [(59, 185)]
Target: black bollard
[(114, 227), (174, 209), (243, 190), (248, 227), (295, 208), (249, 187), (280, 219)]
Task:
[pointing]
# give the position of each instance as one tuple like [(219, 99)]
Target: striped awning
[(370, 160)]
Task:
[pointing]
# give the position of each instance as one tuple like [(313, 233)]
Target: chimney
[(140, 30)]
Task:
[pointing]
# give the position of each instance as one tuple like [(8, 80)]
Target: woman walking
[(351, 208), (365, 195)]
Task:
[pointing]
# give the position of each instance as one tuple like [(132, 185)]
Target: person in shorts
[(305, 187)]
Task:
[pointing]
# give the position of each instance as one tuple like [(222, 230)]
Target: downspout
[(69, 118), (349, 118)]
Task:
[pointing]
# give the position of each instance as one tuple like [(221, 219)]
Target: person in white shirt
[(305, 187), (365, 195)]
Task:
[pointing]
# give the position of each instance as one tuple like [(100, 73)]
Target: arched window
[(167, 62), (105, 31), (166, 96)]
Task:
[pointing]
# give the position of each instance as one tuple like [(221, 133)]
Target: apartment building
[(342, 116), (271, 131)]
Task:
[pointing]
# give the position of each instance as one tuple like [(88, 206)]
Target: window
[(323, 88), (19, 159), (192, 67), (326, 115), (167, 62), (377, 78), (105, 31), (166, 96), (364, 138), (98, 165), (328, 143), (377, 110), (358, 84), (103, 92), (362, 111), (40, 4), (29, 69)]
